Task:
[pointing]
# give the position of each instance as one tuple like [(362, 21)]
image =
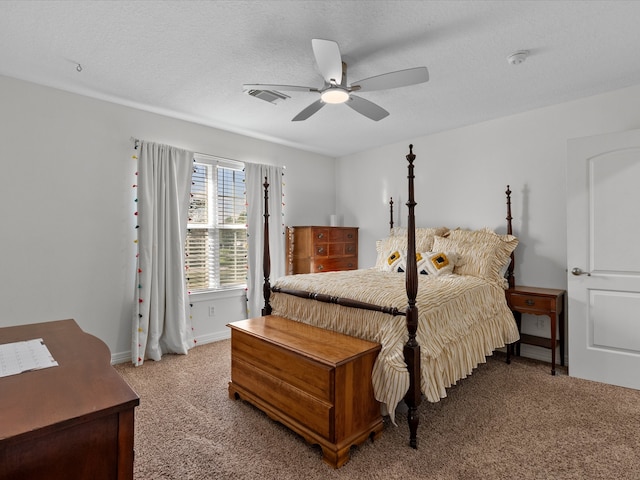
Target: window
[(216, 247)]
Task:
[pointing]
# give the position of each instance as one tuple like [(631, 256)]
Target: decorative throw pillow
[(429, 263), (435, 263), (398, 241), (481, 253), (393, 260)]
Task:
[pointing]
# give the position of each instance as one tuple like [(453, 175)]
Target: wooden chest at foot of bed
[(314, 381)]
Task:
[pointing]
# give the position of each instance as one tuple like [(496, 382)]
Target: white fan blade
[(328, 59), (401, 78), (367, 108), (310, 110), (266, 86)]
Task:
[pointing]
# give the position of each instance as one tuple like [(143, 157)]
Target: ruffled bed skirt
[(461, 320)]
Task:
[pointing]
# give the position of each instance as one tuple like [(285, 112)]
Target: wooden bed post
[(266, 254), (510, 276), (412, 348)]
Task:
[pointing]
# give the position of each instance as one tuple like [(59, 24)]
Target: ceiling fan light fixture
[(334, 95), (332, 67)]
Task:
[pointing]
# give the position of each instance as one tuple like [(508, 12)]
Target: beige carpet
[(503, 422)]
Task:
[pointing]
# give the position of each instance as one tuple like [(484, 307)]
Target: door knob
[(578, 271)]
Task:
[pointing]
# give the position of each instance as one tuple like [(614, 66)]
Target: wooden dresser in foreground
[(314, 381), (321, 249), (72, 421)]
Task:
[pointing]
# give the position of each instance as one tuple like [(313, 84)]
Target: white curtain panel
[(254, 178), (162, 321)]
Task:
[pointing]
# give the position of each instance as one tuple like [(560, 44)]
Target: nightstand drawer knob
[(530, 302)]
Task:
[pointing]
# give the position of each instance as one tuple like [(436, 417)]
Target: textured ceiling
[(189, 59)]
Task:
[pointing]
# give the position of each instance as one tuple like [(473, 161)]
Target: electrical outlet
[(212, 311)]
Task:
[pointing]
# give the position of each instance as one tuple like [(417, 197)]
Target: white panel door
[(603, 255)]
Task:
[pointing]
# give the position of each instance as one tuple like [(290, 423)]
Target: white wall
[(66, 202), (461, 176), (66, 207)]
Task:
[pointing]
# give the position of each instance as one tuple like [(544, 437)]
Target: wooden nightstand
[(540, 301)]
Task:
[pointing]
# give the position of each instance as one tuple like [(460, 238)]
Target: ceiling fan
[(337, 90)]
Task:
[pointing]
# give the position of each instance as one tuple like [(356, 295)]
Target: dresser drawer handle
[(321, 235), (350, 235), (350, 265), (321, 250), (530, 302), (320, 267), (349, 249)]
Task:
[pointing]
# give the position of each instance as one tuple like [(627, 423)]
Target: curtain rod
[(136, 144)]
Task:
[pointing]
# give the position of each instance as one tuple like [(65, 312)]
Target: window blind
[(216, 247)]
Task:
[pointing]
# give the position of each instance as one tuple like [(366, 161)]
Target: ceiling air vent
[(270, 96)]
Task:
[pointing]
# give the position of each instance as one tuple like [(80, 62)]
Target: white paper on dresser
[(19, 357)]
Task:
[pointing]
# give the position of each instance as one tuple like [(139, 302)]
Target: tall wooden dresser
[(321, 249)]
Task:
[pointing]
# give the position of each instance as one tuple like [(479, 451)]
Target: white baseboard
[(123, 357), (528, 351), (539, 353), (213, 337)]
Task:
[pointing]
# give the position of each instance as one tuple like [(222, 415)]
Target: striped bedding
[(462, 319)]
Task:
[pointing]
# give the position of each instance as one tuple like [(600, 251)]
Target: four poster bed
[(435, 302)]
